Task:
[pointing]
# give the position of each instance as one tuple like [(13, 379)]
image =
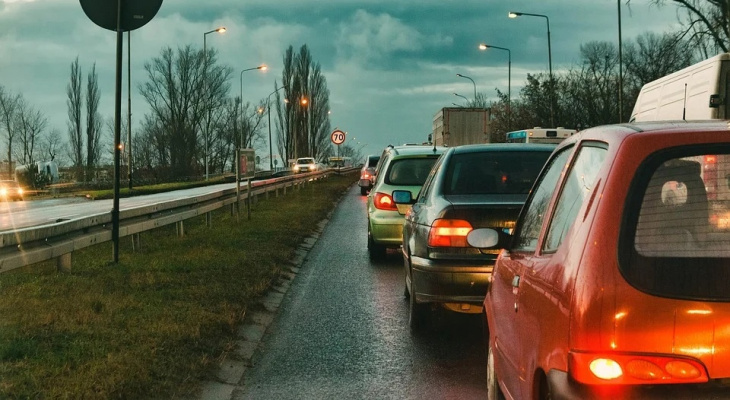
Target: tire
[(406, 293), (363, 191), (376, 251), (493, 390), (417, 314)]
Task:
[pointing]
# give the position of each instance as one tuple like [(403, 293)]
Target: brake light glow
[(449, 233), (605, 368), (365, 175), (384, 201), (634, 369)]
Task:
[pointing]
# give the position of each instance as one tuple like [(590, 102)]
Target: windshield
[(409, 171), (305, 161), (494, 172)]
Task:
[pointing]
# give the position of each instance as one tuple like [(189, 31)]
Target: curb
[(230, 372)]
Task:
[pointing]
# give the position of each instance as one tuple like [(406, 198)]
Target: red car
[(615, 282)]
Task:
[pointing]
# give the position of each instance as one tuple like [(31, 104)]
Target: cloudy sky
[(390, 64)]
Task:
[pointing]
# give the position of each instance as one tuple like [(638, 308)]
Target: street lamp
[(473, 83), (261, 67), (463, 97), (509, 80), (268, 111), (620, 68), (205, 82), (514, 14)]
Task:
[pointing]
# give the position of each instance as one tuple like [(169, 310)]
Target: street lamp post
[(463, 97), (515, 14), (205, 82), (473, 83), (509, 80), (620, 68), (129, 108), (261, 67), (268, 112)]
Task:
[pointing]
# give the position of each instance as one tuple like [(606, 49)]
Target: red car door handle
[(515, 288)]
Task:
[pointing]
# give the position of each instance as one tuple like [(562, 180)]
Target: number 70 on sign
[(337, 137)]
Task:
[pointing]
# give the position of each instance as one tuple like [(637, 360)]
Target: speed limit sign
[(338, 137)]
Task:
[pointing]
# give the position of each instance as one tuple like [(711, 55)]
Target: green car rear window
[(409, 171)]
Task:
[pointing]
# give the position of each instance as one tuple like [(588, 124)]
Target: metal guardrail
[(58, 240)]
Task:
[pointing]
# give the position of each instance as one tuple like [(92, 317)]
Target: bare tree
[(706, 23), (50, 145), (181, 91), (8, 106), (93, 122), (652, 56), (303, 123), (30, 126), (74, 103)]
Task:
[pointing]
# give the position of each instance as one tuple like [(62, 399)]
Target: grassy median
[(156, 323)]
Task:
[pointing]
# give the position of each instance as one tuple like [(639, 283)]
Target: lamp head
[(513, 14), (483, 46), (221, 29), (263, 67)]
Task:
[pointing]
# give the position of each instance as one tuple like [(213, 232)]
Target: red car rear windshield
[(494, 172), (677, 242)]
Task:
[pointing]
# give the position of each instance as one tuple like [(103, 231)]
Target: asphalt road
[(342, 330)]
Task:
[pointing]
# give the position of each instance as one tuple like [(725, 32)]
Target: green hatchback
[(400, 168)]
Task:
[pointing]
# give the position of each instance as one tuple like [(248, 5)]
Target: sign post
[(247, 170), (119, 16), (338, 137)]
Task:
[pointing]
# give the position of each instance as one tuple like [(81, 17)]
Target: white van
[(697, 92)]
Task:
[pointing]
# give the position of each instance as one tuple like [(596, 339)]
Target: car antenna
[(684, 106)]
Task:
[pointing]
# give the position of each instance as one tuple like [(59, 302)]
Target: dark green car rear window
[(494, 172)]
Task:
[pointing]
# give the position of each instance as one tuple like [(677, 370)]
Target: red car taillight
[(634, 369), (365, 176), (449, 233), (384, 201)]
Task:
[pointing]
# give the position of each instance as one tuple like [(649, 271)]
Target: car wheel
[(376, 251), (406, 293), (363, 191), (417, 313), (493, 390)]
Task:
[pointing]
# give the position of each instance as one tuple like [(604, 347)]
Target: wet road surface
[(342, 330)]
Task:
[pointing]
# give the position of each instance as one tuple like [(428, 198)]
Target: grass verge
[(153, 325)]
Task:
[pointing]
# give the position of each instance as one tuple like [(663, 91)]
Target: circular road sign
[(338, 137), (135, 13)]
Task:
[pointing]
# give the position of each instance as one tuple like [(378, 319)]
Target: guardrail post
[(180, 228), (63, 263), (208, 219), (136, 242)]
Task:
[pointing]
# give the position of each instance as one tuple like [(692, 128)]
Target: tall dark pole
[(268, 112), (552, 81), (473, 83), (129, 108), (207, 93), (117, 136), (271, 151), (620, 68), (551, 94), (509, 81)]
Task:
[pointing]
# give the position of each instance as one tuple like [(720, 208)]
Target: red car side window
[(528, 227)]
